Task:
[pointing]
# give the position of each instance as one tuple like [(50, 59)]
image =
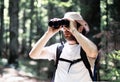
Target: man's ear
[(84, 25), (80, 29)]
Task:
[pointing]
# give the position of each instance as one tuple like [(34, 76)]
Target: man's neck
[(72, 42)]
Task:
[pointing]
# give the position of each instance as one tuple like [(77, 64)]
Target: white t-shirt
[(77, 72)]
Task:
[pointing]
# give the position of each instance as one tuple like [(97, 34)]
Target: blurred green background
[(23, 22)]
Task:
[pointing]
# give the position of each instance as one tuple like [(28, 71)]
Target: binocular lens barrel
[(57, 24)]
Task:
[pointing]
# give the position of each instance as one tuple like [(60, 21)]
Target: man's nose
[(64, 28)]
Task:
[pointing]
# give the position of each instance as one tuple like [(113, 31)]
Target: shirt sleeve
[(52, 51)]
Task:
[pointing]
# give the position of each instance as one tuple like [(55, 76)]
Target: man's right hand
[(51, 30)]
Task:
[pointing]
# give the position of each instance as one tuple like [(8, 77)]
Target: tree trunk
[(116, 23), (23, 45), (13, 13), (1, 26), (31, 24)]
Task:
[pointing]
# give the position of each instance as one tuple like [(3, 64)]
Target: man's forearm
[(37, 48), (89, 47)]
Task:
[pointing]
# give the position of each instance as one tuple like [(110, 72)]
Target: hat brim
[(84, 24)]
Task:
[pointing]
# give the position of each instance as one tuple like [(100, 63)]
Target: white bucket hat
[(73, 15), (76, 16)]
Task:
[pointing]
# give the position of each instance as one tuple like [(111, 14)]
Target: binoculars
[(57, 24)]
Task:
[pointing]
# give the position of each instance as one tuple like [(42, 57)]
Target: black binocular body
[(58, 23)]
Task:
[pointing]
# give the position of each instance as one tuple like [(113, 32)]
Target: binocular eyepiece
[(57, 24)]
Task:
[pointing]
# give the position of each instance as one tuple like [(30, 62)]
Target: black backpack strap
[(96, 73), (58, 53), (71, 62), (86, 62)]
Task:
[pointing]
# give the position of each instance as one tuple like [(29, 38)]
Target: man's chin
[(70, 38)]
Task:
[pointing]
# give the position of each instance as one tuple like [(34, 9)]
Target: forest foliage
[(23, 22)]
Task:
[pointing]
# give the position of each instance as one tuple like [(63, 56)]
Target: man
[(75, 40)]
